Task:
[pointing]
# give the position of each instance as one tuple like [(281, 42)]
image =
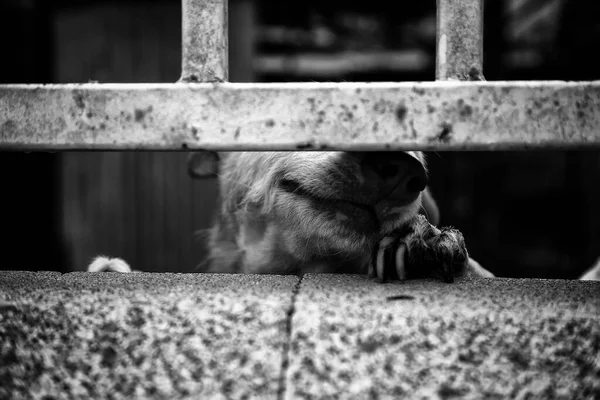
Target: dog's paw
[(105, 264), (423, 251), (592, 274)]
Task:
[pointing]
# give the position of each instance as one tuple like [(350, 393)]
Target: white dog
[(348, 212)]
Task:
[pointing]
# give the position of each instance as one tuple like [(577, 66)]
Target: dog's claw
[(424, 252)]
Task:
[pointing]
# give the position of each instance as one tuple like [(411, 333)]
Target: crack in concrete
[(285, 360)]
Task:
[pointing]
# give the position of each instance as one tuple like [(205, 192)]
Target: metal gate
[(458, 111)]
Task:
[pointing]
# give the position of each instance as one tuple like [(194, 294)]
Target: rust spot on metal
[(102, 126), (375, 126), (347, 116), (140, 114), (445, 135), (380, 107), (464, 110), (194, 132), (401, 112), (418, 90), (270, 123), (89, 114), (358, 91), (237, 133), (321, 117), (430, 109), (78, 98)]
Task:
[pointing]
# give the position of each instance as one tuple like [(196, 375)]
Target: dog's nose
[(398, 174)]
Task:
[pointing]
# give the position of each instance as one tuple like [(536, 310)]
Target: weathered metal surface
[(204, 41), (305, 116), (459, 40)]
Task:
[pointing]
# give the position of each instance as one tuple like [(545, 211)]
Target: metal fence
[(459, 111)]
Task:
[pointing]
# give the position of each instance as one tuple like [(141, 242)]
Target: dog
[(592, 274), (340, 212), (300, 212), (337, 212)]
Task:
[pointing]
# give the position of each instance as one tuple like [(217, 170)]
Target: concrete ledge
[(489, 338), (301, 116), (142, 335), (145, 335)]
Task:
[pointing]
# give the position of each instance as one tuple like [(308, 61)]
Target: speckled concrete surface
[(110, 335), (500, 338)]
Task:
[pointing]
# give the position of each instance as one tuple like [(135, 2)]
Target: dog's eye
[(289, 185)]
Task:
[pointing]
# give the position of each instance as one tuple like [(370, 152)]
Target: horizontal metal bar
[(459, 40), (305, 116), (204, 41)]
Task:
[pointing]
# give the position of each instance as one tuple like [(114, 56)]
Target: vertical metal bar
[(459, 40), (205, 41)]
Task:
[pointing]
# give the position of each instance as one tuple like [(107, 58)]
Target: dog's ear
[(430, 208), (203, 164)]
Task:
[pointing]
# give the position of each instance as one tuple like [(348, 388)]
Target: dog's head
[(319, 203)]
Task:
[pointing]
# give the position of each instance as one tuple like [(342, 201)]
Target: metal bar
[(204, 41), (305, 116), (459, 40)]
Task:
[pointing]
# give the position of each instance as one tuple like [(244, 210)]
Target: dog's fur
[(592, 274)]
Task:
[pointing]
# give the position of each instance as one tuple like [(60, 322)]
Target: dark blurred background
[(524, 214)]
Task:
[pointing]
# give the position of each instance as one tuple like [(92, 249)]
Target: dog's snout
[(397, 174), (387, 171), (416, 184)]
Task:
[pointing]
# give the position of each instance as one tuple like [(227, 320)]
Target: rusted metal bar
[(459, 40), (205, 41), (305, 116)]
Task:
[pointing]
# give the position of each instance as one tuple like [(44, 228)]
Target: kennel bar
[(204, 50), (301, 116), (448, 114), (459, 45)]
